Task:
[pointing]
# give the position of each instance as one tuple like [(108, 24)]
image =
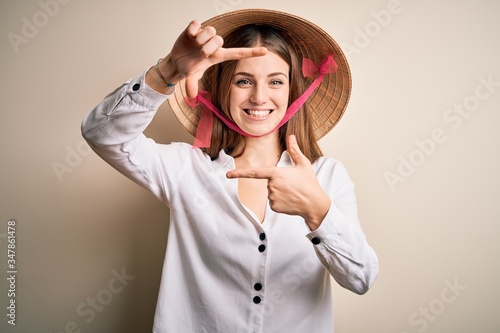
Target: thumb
[(294, 151), (191, 86)]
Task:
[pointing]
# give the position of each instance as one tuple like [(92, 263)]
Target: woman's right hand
[(194, 51)]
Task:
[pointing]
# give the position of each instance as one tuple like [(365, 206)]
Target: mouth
[(258, 113)]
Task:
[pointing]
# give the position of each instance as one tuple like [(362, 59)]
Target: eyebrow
[(251, 75)]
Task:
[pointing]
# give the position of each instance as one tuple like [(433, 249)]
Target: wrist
[(318, 212), (163, 76), (168, 71)]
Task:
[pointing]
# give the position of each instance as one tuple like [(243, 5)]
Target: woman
[(260, 220)]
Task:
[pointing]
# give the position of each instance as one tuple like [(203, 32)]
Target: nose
[(259, 94)]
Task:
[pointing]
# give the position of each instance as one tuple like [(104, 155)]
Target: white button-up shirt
[(224, 270)]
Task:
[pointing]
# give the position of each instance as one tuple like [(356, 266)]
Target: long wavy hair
[(218, 81)]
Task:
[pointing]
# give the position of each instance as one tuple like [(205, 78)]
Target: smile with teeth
[(258, 113)]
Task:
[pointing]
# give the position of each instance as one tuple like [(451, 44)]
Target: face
[(259, 93)]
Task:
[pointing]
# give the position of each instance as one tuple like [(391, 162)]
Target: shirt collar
[(285, 160), (227, 161), (223, 161)]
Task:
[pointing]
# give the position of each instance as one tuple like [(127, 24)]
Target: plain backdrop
[(419, 139)]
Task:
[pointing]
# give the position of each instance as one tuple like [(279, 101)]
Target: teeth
[(258, 113)]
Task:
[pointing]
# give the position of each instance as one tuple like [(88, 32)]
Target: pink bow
[(309, 68)]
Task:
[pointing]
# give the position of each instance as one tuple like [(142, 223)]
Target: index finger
[(236, 53), (263, 173)]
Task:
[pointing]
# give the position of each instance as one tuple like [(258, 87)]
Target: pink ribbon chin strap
[(204, 130)]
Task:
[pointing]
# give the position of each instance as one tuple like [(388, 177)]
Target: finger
[(211, 46), (191, 86), (237, 53), (294, 151), (205, 34), (193, 28), (263, 173)]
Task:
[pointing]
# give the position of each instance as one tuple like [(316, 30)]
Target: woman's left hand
[(294, 190)]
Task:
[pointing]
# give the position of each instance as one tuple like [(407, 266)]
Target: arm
[(339, 242), (114, 131), (323, 195), (127, 111), (114, 128), (194, 51)]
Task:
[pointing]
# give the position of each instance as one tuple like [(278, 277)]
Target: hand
[(294, 190), (197, 49)]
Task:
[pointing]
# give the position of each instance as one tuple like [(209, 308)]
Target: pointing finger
[(236, 53), (251, 173)]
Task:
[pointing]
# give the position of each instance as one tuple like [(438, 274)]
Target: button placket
[(258, 287), (262, 237), (257, 299)]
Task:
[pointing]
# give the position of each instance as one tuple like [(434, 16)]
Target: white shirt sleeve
[(114, 130), (339, 242)]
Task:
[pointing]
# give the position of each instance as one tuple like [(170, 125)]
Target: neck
[(260, 152)]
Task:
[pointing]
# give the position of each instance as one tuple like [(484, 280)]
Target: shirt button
[(262, 236), (136, 87), (256, 299), (257, 286), (262, 248), (316, 240)]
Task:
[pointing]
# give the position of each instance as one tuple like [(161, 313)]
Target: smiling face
[(233, 96), (259, 93)]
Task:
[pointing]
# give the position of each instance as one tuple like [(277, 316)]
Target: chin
[(261, 132)]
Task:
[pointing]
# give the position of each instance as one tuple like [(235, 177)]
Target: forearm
[(339, 241), (342, 248), (114, 130), (123, 115)]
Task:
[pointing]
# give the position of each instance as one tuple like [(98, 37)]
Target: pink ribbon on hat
[(204, 130)]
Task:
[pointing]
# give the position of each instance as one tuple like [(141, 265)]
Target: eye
[(243, 82), (276, 82)]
